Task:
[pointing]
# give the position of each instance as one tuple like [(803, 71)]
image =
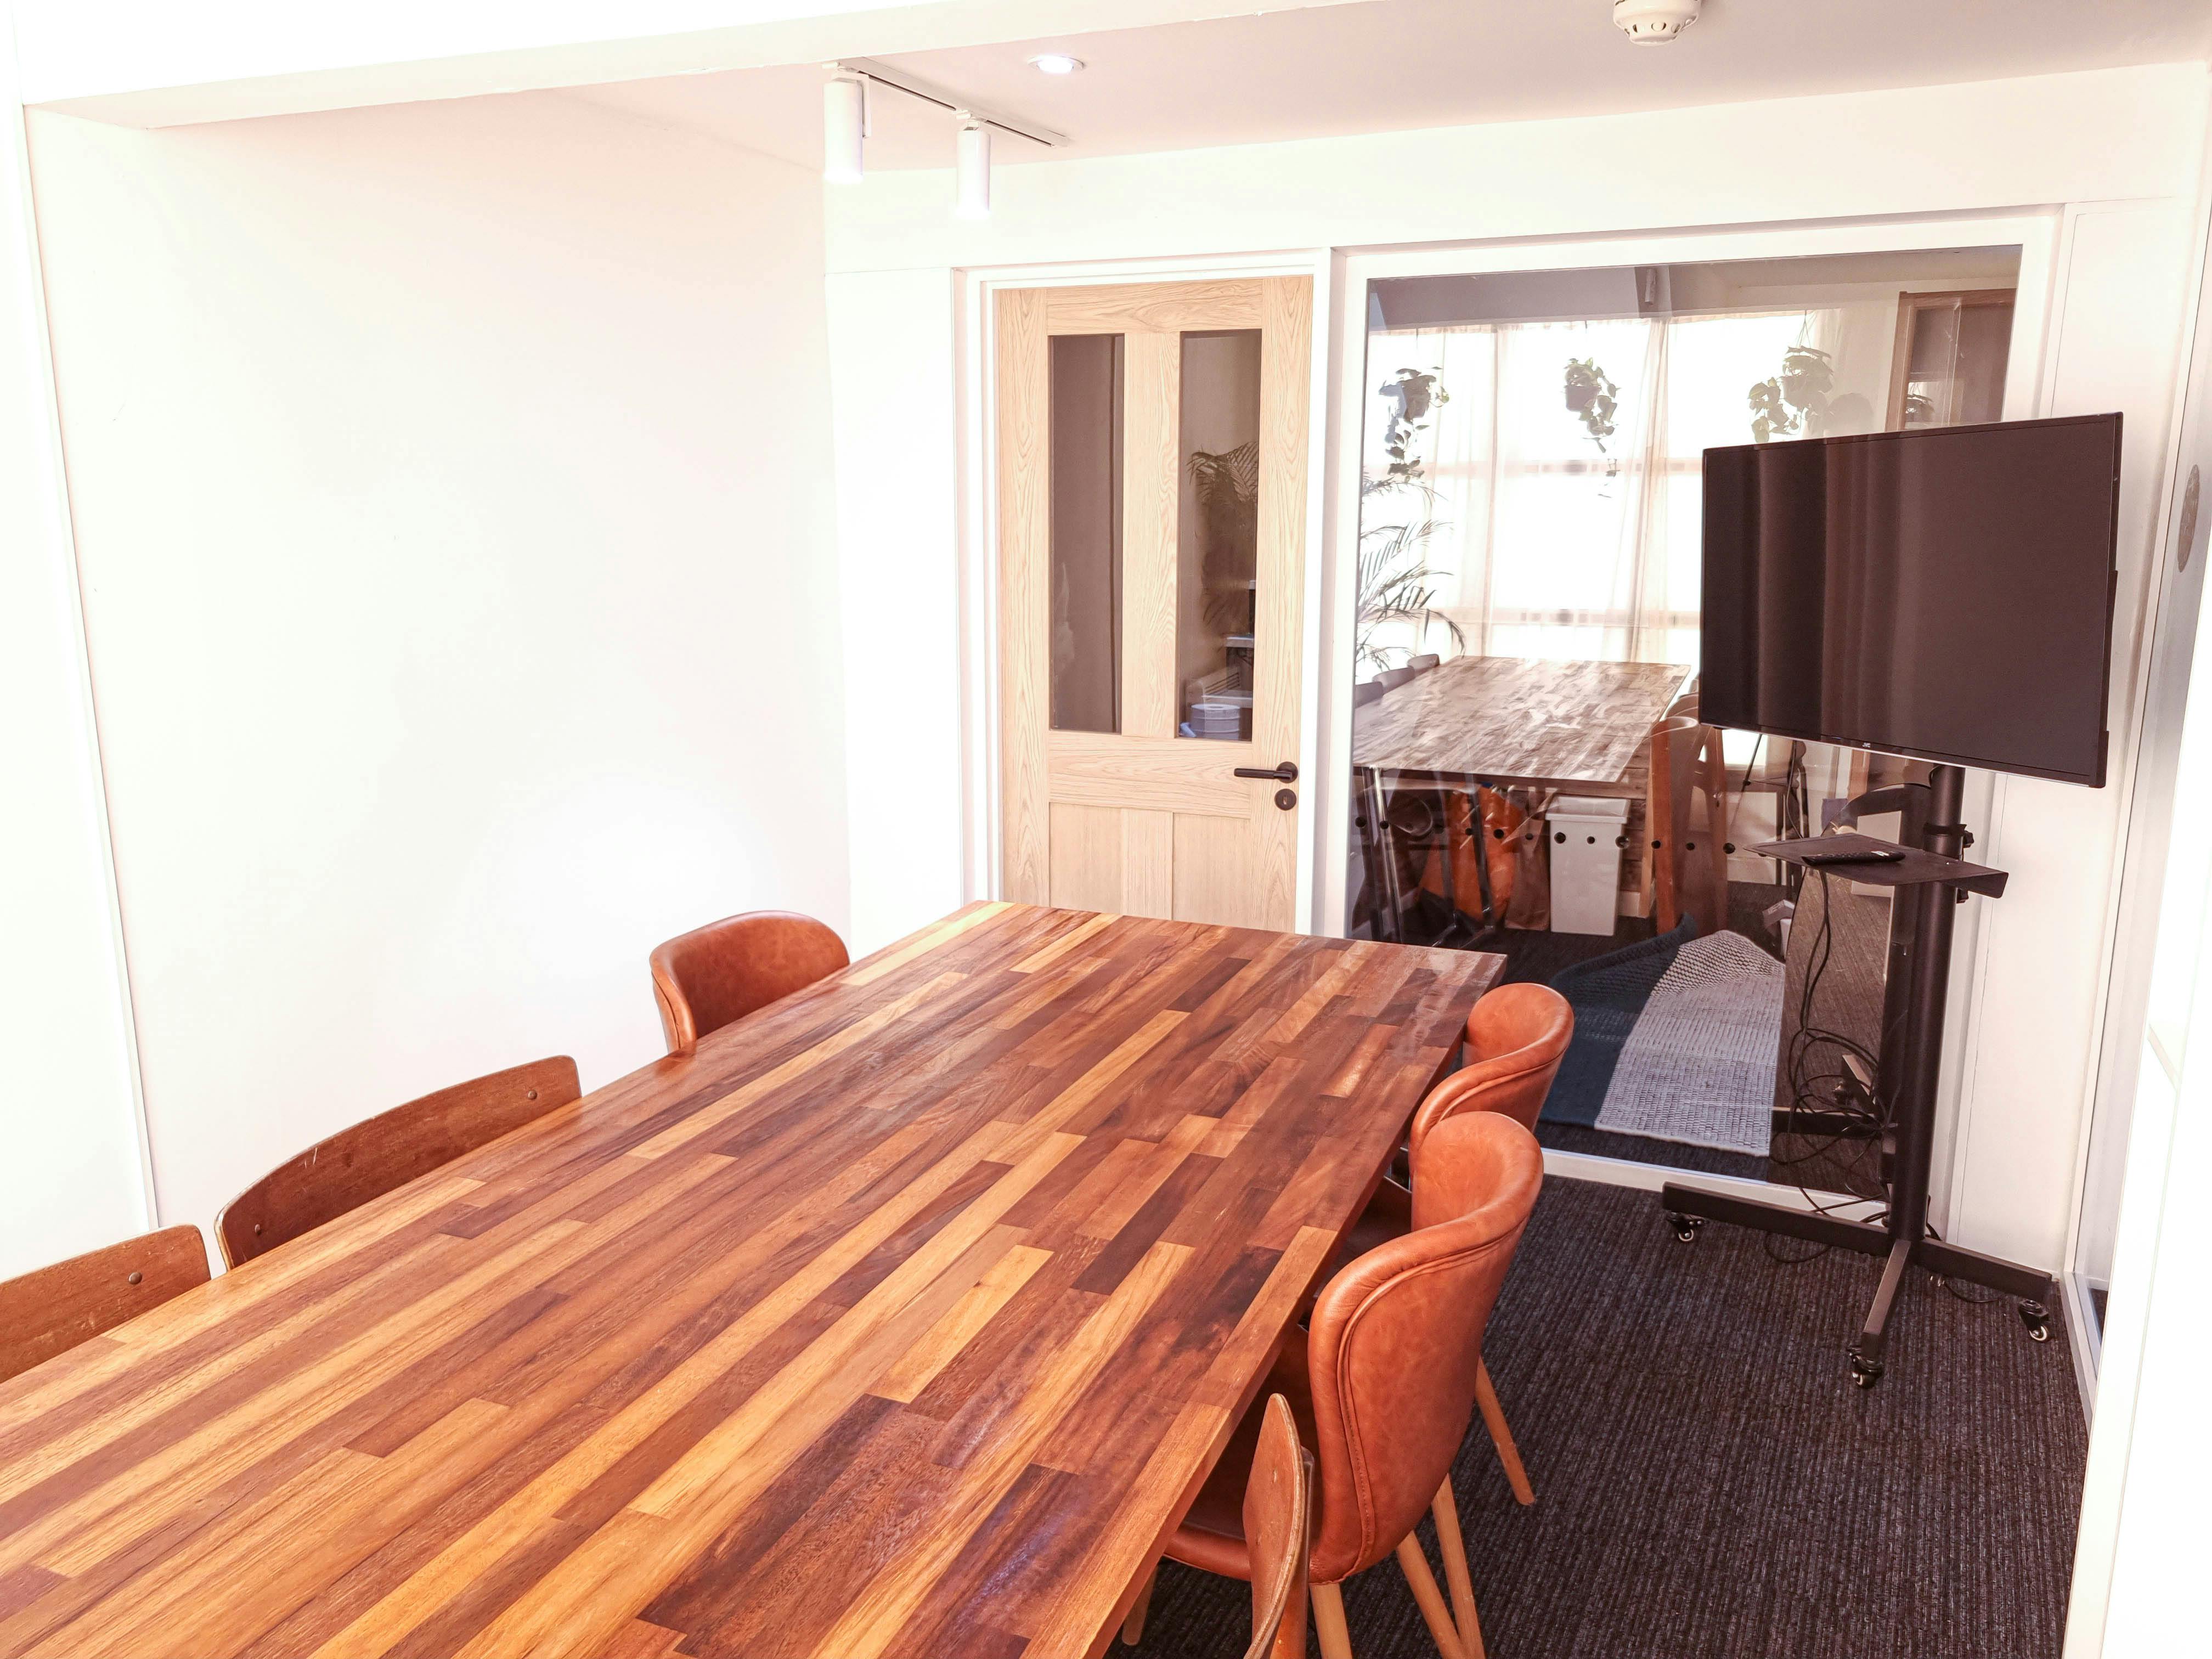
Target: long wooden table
[(902, 1319)]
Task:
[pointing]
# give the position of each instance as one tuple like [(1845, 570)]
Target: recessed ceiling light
[(1055, 62)]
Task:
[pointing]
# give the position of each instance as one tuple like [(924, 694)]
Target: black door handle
[(1287, 772)]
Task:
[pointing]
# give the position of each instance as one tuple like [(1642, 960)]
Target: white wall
[(893, 343), (72, 1178), (2116, 151), (451, 489)]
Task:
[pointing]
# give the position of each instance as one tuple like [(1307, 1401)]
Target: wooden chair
[(1517, 1038), (713, 975), (369, 1160), (1384, 1384), (1277, 1520), (1689, 865), (53, 1310)]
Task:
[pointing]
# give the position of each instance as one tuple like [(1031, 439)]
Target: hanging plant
[(1412, 396), (1796, 400), (1593, 397)]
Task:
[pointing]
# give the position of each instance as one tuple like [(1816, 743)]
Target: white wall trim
[(79, 708), (1650, 1177)]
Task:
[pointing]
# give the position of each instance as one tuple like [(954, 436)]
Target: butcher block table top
[(1524, 720), (903, 1318)]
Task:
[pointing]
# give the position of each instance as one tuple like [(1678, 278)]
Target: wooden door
[(1151, 533)]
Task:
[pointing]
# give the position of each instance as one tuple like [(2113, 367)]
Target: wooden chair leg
[(1493, 1418), (1132, 1627), (1328, 1622), (1431, 1600), (1453, 1547)]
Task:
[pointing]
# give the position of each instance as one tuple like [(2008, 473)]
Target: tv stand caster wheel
[(2037, 1318), (1865, 1373), (1685, 1226)]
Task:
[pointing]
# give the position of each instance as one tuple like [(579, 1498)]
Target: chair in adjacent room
[(1516, 1038), (51, 1310), (713, 975), (1383, 1383), (1278, 1521), (369, 1160), (1686, 816)]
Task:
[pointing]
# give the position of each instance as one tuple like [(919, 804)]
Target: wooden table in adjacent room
[(1577, 727), (904, 1318)]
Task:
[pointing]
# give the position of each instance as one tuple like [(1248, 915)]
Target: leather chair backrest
[(705, 979), (1396, 1340), (1516, 1038), (1277, 1520)]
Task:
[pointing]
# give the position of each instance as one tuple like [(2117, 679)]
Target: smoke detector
[(1654, 21)]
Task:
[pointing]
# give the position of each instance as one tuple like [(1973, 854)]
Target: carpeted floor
[(1709, 1484)]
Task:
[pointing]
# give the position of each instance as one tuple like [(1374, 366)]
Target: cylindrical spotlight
[(844, 127), (973, 153)]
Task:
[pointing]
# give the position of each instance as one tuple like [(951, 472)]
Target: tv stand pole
[(1937, 881)]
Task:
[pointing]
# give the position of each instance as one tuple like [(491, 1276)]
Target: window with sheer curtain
[(1558, 531)]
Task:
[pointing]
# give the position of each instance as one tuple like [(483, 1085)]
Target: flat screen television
[(1945, 592)]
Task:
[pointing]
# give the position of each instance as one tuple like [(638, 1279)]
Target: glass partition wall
[(1531, 776)]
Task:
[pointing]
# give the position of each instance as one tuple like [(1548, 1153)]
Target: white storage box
[(1585, 834)]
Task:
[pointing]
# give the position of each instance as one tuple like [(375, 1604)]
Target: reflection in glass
[(1217, 533), (1526, 635), (1087, 532)]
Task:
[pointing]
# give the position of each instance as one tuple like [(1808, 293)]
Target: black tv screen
[(1945, 593)]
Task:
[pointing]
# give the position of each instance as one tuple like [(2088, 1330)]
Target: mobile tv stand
[(1940, 882)]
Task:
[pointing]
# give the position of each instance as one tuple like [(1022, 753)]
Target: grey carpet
[(1709, 1485)]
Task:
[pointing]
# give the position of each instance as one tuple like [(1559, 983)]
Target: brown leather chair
[(1383, 1385), (53, 1310), (369, 1160), (1516, 1036), (705, 979), (1278, 1519)]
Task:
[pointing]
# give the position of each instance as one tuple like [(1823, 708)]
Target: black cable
[(1869, 1122)]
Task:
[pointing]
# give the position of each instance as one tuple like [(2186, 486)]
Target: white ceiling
[(1393, 65)]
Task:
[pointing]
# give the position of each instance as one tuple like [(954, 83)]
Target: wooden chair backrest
[(387, 1150), (51, 1310), (1277, 1518), (1689, 867)]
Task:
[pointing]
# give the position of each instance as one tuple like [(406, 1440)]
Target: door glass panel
[(1087, 532), (1217, 534)]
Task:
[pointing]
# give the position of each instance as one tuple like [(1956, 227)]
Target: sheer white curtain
[(1571, 531)]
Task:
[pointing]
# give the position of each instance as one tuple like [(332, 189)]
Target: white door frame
[(2036, 235)]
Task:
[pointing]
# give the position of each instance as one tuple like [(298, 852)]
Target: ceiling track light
[(844, 129), (1654, 22), (972, 157), (846, 119)]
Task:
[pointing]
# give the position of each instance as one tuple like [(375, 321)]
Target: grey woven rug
[(1699, 1066)]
